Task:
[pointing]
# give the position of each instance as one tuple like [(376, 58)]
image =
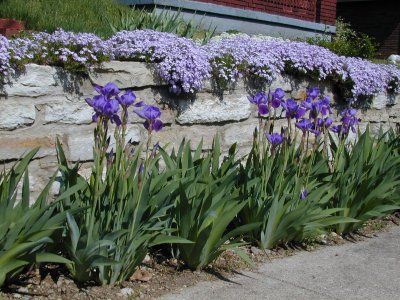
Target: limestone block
[(35, 81), (68, 113), (16, 114), (208, 108), (125, 74)]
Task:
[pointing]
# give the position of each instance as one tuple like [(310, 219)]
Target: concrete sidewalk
[(368, 269)]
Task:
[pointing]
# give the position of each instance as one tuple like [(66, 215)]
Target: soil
[(159, 276)]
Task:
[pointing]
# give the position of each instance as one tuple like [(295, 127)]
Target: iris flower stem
[(100, 149)]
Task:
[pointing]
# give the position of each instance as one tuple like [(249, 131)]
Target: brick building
[(377, 18), (286, 18)]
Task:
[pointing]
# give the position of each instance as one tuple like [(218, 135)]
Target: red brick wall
[(377, 19), (321, 11)]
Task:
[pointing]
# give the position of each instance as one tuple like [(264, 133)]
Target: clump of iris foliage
[(299, 181), (184, 64)]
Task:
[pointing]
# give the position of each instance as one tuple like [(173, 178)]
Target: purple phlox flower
[(151, 114), (277, 97), (109, 90), (304, 125), (313, 93), (261, 100), (303, 194), (126, 99), (275, 139)]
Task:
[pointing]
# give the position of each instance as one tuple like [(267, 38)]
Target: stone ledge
[(16, 114), (125, 74), (208, 108)]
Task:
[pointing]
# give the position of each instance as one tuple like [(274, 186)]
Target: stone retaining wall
[(44, 102)]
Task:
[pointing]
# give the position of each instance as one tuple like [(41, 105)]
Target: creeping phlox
[(184, 64)]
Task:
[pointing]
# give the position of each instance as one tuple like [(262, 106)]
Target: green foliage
[(348, 42), (25, 230), (271, 185), (126, 212), (367, 179), (206, 204), (103, 17), (164, 21), (72, 15)]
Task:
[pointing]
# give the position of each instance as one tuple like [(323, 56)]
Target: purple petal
[(263, 109), (157, 125)]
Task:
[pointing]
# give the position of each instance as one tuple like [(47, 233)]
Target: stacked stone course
[(44, 103)]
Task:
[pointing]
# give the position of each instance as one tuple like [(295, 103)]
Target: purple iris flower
[(293, 110), (324, 123), (109, 90), (325, 106), (275, 139), (151, 114), (261, 100), (328, 122), (336, 128), (304, 125), (313, 93), (141, 168), (349, 119), (315, 109), (126, 99), (105, 107), (307, 104), (277, 97), (315, 131), (303, 194)]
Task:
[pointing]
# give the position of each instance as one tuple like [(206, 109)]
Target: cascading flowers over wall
[(184, 64)]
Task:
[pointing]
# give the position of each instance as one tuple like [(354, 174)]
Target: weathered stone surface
[(80, 144), (374, 115), (125, 74), (68, 113), (14, 147), (172, 136), (375, 128), (53, 101), (300, 88), (394, 112), (380, 101), (281, 82), (15, 114), (240, 133), (394, 59), (208, 108), (35, 81)]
